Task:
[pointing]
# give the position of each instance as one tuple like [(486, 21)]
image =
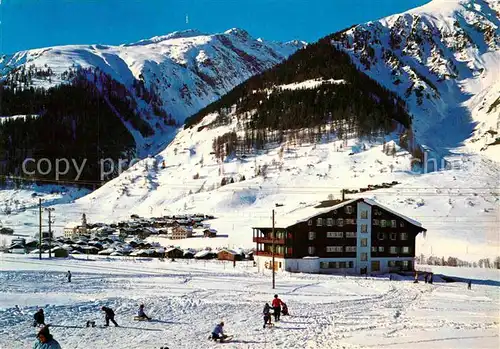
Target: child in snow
[(277, 303), (284, 311), (141, 314), (68, 275), (39, 318), (218, 332), (267, 315), (45, 340), (110, 316)]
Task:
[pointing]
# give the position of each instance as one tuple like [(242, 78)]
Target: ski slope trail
[(187, 298)]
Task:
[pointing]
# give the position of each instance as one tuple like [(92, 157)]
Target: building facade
[(355, 236)]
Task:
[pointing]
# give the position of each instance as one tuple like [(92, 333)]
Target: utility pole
[(50, 209), (272, 263), (40, 237)]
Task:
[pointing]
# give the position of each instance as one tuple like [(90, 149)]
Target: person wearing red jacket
[(277, 303)]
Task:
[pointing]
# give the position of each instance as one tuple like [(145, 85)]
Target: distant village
[(128, 238)]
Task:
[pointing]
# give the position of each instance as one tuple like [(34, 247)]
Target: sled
[(226, 339), (140, 318)]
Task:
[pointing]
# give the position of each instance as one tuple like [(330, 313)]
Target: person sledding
[(218, 333), (44, 340), (110, 316), (277, 303), (284, 309), (39, 318), (141, 315), (267, 315)]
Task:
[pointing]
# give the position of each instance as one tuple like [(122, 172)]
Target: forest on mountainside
[(360, 101), (74, 121)]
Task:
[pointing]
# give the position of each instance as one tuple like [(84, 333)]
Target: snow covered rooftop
[(302, 214)]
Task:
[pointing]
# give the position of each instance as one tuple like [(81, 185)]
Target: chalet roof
[(202, 253), (286, 219), (228, 251), (408, 219)]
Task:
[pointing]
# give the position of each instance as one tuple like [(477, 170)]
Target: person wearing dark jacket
[(277, 303), (267, 315), (45, 340), (141, 314), (110, 316), (39, 318), (68, 275)]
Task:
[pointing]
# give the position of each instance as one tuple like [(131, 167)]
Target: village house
[(181, 232), (209, 233), (354, 236), (229, 255)]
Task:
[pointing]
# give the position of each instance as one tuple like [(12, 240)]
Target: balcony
[(267, 240), (268, 254)]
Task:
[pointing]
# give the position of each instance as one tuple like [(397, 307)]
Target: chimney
[(343, 194)]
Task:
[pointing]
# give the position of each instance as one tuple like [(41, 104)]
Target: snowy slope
[(444, 58), (187, 298), (459, 205), (187, 69)]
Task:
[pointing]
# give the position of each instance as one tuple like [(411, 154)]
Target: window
[(348, 209), (381, 236), (310, 222), (364, 256), (364, 228), (406, 265), (364, 242), (377, 213), (350, 221), (394, 236), (350, 248), (350, 234), (334, 211), (351, 264), (394, 223), (329, 222), (279, 265), (312, 235), (319, 222), (393, 250), (376, 222), (392, 264), (374, 248), (324, 265), (405, 249), (311, 249), (382, 223), (381, 248), (289, 251), (335, 234), (364, 214), (334, 249), (342, 265), (340, 222), (404, 236), (402, 224)]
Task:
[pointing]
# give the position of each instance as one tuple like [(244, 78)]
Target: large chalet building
[(355, 236)]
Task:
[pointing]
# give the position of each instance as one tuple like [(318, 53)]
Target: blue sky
[(38, 23)]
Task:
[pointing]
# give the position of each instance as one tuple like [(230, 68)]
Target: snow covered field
[(188, 299)]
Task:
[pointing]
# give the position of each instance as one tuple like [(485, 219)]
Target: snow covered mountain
[(184, 70), (444, 58), (434, 57)]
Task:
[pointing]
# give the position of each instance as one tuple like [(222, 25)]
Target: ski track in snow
[(187, 299)]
